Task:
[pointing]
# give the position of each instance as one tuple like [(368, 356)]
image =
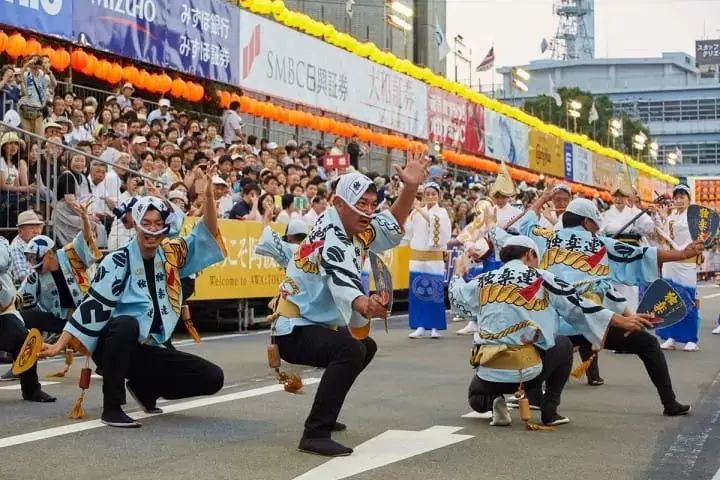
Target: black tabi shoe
[(596, 382), (556, 420), (326, 447), (39, 396), (338, 427), (115, 417), (8, 376), (676, 410), (148, 405)]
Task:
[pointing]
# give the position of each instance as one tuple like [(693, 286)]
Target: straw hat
[(624, 186), (503, 183), (11, 137)]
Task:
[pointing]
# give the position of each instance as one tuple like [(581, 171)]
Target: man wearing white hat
[(29, 225), (161, 113), (561, 196), (518, 309), (123, 100), (323, 293), (577, 255), (223, 198)]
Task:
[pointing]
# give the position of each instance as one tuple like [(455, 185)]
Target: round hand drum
[(29, 352)]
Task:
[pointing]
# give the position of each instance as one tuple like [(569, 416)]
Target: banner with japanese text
[(545, 153), (46, 17), (197, 37), (455, 122), (284, 63), (604, 171)]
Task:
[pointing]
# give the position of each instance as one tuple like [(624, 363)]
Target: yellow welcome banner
[(244, 274), (545, 153)]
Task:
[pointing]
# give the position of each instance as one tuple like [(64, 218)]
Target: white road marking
[(474, 414), (388, 447), (711, 296), (175, 407), (17, 385)]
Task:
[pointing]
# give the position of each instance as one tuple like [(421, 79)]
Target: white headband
[(146, 203), (522, 241)]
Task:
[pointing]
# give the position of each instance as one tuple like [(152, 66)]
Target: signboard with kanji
[(707, 52)]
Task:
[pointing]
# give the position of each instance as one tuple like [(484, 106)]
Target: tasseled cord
[(582, 368), (524, 410), (69, 354), (187, 321), (77, 411)]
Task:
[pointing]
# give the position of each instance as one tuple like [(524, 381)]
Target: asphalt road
[(251, 428)]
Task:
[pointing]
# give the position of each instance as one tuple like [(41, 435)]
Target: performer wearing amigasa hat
[(322, 293), (133, 306)]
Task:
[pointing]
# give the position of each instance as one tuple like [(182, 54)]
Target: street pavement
[(404, 417)]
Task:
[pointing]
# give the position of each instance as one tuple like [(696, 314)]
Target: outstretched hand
[(415, 170)]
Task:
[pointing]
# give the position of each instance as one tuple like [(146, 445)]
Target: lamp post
[(459, 52), (639, 141), (519, 78), (573, 110), (399, 15), (615, 127)]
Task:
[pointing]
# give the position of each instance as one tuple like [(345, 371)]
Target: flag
[(544, 45), (348, 7), (441, 41), (593, 114), (487, 62), (553, 93), (679, 154)]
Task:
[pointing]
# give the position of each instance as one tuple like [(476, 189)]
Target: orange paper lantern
[(143, 80), (60, 59), (164, 83), (116, 73), (32, 47), (15, 45), (3, 41), (92, 63), (102, 71), (178, 88)]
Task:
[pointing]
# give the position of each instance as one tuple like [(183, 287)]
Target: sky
[(623, 28)]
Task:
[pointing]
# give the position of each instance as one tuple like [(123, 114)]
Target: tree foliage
[(547, 110)]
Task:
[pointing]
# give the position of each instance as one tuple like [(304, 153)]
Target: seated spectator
[(221, 192), (247, 208), (29, 225), (161, 113), (317, 208)]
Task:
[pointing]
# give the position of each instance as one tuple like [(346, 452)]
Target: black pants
[(557, 363), (43, 321), (12, 337), (343, 358), (586, 351), (152, 372), (645, 346)]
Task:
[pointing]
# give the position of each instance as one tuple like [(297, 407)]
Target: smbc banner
[(546, 153), (245, 274)]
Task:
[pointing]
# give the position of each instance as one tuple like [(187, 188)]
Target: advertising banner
[(706, 191), (50, 17), (545, 153), (707, 52), (455, 122), (284, 63), (506, 139), (582, 165), (197, 37), (604, 171), (644, 187)]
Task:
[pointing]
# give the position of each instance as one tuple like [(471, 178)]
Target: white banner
[(582, 165), (506, 139), (284, 63)]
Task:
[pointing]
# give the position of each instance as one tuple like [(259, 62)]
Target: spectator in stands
[(179, 199), (90, 120), (232, 124), (33, 95), (79, 132), (223, 199), (123, 100), (29, 225), (98, 189), (317, 207), (9, 90), (247, 208), (287, 211), (14, 184), (73, 187), (161, 113), (354, 151)]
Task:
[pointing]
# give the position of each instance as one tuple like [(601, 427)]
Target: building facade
[(679, 104), (369, 23)]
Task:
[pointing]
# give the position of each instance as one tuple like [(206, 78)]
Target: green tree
[(547, 110)]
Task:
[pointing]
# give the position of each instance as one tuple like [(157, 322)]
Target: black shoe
[(115, 417), (676, 410), (338, 427), (556, 420), (324, 446), (596, 382), (148, 405), (39, 396), (8, 376)]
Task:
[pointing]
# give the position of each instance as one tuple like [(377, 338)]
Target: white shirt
[(99, 192), (225, 204), (231, 122), (545, 223), (506, 214), (683, 272), (119, 235), (424, 235), (311, 217), (614, 219), (112, 187)]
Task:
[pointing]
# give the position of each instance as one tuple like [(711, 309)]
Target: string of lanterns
[(304, 23), (17, 46)]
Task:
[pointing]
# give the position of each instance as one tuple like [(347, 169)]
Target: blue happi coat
[(324, 276), (120, 286), (272, 245), (587, 261), (519, 305), (39, 290)]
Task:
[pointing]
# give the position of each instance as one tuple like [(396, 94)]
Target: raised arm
[(413, 174)]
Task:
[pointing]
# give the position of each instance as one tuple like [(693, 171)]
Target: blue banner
[(202, 39), (568, 161), (197, 37), (50, 17)]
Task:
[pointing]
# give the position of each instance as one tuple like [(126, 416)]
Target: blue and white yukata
[(683, 277), (272, 245), (428, 239)]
